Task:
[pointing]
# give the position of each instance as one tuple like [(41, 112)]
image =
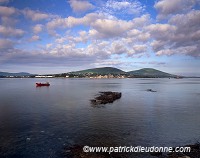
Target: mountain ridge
[(145, 72), (150, 72), (101, 70)]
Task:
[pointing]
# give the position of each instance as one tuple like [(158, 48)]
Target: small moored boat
[(42, 84)]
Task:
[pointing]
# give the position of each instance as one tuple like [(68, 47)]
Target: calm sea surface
[(43, 121)]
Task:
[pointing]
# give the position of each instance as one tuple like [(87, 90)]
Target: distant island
[(103, 72)]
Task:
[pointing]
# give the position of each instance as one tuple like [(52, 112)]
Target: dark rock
[(106, 97), (150, 90), (194, 146)]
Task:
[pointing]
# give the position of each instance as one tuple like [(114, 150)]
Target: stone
[(106, 97)]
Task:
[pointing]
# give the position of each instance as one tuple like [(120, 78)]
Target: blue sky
[(40, 36)]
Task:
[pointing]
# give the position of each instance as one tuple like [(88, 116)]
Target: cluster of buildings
[(107, 76)]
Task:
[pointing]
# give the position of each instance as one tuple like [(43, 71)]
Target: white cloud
[(34, 38), (107, 36), (118, 47), (97, 22), (123, 7), (160, 31), (187, 22), (114, 28), (11, 32), (140, 48), (185, 50), (80, 5), (166, 7), (7, 11), (37, 28), (82, 37), (70, 21), (8, 21), (180, 36), (36, 15), (141, 21)]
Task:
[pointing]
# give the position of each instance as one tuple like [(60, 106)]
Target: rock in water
[(150, 90), (106, 97)]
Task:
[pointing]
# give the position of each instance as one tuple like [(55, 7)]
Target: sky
[(57, 36)]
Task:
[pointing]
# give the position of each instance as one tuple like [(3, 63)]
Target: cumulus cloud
[(36, 15), (80, 5), (190, 22), (140, 48), (8, 21), (11, 32), (114, 28), (37, 28), (97, 22), (7, 11), (118, 37), (166, 7), (118, 47), (70, 21), (161, 31), (178, 36), (141, 21), (184, 50), (135, 35), (82, 37)]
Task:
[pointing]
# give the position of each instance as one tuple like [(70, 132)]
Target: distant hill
[(149, 72), (103, 71), (14, 74), (142, 73), (146, 72)]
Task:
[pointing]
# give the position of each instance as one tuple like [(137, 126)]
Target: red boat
[(42, 84)]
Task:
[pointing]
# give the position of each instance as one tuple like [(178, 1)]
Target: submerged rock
[(106, 97), (150, 90)]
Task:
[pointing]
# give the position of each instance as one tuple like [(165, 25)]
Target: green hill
[(103, 71), (148, 72)]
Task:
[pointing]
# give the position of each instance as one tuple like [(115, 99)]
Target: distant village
[(71, 75), (86, 75)]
